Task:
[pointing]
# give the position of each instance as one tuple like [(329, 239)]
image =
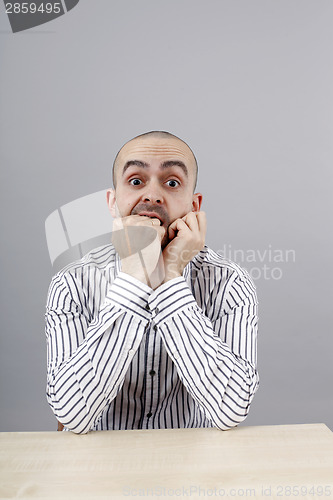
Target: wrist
[(133, 267)]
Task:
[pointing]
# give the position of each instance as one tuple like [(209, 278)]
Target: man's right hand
[(137, 239)]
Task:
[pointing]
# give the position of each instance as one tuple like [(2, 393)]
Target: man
[(155, 330)]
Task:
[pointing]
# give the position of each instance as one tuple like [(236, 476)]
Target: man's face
[(155, 177)]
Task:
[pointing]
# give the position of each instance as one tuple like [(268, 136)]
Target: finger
[(117, 224), (148, 223), (202, 222), (160, 231), (136, 220), (132, 239), (178, 226), (121, 222), (155, 222), (191, 220)]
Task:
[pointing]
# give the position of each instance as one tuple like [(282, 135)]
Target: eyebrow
[(164, 165)]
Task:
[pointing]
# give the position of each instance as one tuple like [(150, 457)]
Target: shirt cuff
[(170, 298), (130, 294)]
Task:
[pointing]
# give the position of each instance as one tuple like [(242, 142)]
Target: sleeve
[(215, 356), (88, 355)]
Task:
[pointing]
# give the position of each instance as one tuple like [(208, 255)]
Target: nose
[(152, 194)]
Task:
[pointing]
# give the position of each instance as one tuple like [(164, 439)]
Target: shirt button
[(157, 310), (147, 307), (149, 414), (152, 372), (155, 328)]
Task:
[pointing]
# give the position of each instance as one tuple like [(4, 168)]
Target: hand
[(187, 237), (137, 239)]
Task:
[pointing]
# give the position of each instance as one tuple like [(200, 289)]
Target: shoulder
[(208, 260), (219, 284), (78, 282), (99, 259)]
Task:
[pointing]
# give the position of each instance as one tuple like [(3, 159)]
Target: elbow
[(226, 423), (233, 411), (80, 432), (78, 422), (77, 427)]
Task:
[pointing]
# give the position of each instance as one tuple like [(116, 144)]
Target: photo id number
[(301, 491), (33, 8)]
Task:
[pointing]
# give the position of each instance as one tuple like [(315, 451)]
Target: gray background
[(248, 84)]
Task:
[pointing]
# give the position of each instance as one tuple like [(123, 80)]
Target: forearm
[(222, 385), (84, 378), (217, 375)]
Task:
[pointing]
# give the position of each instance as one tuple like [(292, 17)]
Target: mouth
[(152, 215)]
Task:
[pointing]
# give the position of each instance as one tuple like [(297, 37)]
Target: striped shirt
[(121, 355)]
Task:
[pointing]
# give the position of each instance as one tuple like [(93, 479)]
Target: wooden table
[(276, 462)]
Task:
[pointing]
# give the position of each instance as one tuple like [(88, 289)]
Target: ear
[(111, 201), (196, 202)]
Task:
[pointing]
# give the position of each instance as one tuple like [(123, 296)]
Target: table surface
[(261, 462)]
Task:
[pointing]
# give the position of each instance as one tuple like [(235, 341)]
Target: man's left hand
[(187, 237)]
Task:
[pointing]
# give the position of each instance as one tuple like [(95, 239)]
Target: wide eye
[(135, 182), (172, 183)]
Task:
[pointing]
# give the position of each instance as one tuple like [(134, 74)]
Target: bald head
[(155, 136)]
